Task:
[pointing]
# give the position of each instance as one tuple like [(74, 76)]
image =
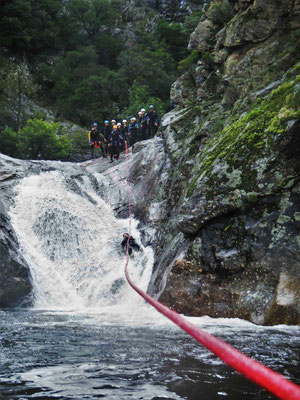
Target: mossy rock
[(252, 136)]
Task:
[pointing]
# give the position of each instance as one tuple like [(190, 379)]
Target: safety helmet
[(115, 127), (119, 124), (113, 120), (143, 110), (106, 122), (94, 124), (140, 113), (133, 119), (124, 120), (151, 106)]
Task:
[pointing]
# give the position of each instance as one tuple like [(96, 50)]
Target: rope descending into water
[(251, 369)]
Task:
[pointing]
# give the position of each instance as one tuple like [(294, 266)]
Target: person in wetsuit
[(94, 139), (132, 132), (124, 130), (114, 144), (152, 122), (106, 134), (132, 243)]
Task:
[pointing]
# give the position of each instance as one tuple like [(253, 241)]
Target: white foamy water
[(72, 243)]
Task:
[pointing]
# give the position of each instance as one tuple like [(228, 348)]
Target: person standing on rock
[(143, 124), (171, 106), (132, 132), (106, 134), (112, 123), (121, 138), (152, 119), (124, 130), (139, 122), (114, 144), (94, 139)]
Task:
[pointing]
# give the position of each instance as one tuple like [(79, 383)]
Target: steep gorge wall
[(229, 241), (218, 193)]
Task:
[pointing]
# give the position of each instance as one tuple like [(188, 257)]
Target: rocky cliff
[(217, 192), (15, 283), (229, 242)]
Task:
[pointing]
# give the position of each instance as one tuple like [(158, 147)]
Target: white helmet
[(132, 119), (119, 124), (124, 120), (113, 120), (143, 110)]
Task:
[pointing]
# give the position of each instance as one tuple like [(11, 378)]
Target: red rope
[(251, 369)]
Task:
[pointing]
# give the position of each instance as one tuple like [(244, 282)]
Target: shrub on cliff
[(40, 139), (37, 140)]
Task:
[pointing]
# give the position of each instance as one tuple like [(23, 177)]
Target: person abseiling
[(132, 132), (94, 138), (152, 119), (114, 144), (132, 243)]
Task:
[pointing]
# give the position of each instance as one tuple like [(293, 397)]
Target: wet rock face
[(245, 265), (15, 281), (233, 206), (176, 10)]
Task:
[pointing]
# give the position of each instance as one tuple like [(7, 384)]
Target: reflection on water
[(56, 355)]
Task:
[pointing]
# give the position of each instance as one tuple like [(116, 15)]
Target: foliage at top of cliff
[(83, 56)]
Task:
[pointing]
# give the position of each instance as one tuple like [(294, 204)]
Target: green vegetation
[(252, 136), (37, 140), (87, 60), (220, 11)]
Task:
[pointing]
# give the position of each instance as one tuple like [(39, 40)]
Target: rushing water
[(89, 335)]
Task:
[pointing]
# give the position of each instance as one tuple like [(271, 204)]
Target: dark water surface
[(55, 355)]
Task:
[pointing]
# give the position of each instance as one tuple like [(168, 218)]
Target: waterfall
[(72, 243)]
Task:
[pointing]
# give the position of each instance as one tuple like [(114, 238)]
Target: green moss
[(252, 136), (220, 11)]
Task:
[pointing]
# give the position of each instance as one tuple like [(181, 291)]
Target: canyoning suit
[(121, 139), (144, 127), (152, 119), (114, 145), (94, 140), (132, 133), (132, 245), (106, 135), (124, 131), (171, 107)]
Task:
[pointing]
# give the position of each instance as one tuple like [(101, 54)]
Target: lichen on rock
[(234, 142)]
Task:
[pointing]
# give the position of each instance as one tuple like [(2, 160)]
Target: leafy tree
[(191, 22), (76, 54), (139, 97), (41, 140), (14, 17), (9, 142), (17, 85), (29, 27), (189, 62), (175, 38)]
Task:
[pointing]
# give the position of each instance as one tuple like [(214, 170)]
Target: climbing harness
[(251, 369)]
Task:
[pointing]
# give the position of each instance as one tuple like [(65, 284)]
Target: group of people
[(111, 138)]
